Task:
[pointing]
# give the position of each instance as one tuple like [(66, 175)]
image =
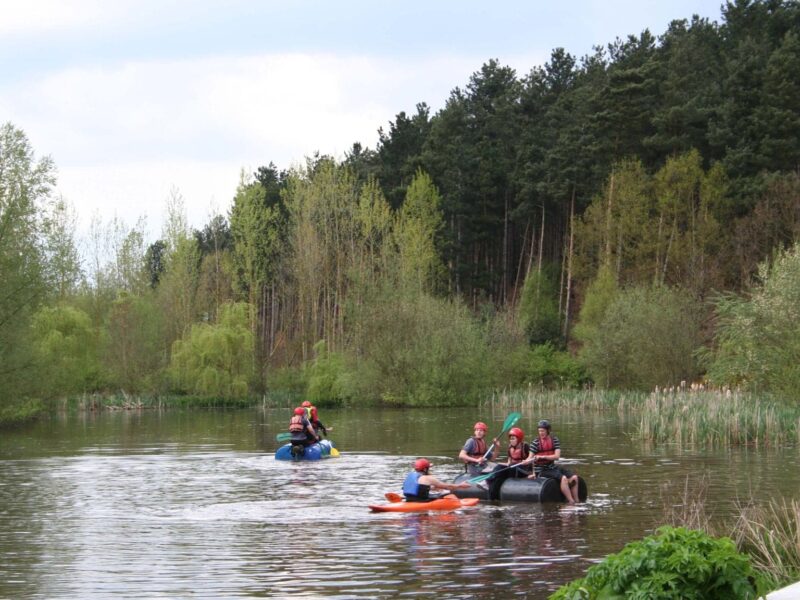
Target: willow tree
[(216, 360)]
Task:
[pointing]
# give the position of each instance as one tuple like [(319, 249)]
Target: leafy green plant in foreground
[(673, 563)]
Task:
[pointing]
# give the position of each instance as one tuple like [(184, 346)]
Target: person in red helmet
[(303, 433), (473, 454), (313, 416), (418, 483), (517, 454)]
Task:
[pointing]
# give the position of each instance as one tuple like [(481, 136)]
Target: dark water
[(192, 504)]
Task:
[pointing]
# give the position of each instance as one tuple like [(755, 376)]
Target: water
[(192, 504)]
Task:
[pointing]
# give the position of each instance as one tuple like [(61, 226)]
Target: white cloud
[(47, 16), (123, 136)]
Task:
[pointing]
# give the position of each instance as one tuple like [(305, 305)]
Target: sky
[(136, 100)]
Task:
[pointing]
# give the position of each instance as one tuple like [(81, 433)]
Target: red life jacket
[(479, 448), (518, 453), (296, 424), (546, 448)]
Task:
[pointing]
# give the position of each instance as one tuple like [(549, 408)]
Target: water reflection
[(193, 504)]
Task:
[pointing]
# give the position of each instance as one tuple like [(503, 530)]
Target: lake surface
[(181, 504)]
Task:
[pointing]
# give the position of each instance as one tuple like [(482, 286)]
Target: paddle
[(486, 476), (510, 421), (393, 497), (283, 437)]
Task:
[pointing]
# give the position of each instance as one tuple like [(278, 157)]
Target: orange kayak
[(449, 502)]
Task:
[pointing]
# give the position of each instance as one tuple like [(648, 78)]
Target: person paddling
[(474, 450), (546, 450), (518, 452), (303, 433), (418, 483), (313, 416)]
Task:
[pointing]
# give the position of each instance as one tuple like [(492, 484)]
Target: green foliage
[(418, 225), (600, 294), (417, 350), (216, 360), (673, 563), (25, 185), (757, 340), (647, 338), (541, 366), (133, 345), (67, 346), (538, 308), (326, 375)]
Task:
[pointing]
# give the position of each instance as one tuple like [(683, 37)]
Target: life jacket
[(412, 487), (479, 448), (296, 424), (311, 413), (518, 453), (546, 447)]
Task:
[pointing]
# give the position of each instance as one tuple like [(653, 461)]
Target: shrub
[(326, 376), (673, 563), (647, 337)]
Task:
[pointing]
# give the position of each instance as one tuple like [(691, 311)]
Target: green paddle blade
[(510, 421), (283, 437)]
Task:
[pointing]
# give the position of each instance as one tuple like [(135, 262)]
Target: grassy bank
[(15, 413)]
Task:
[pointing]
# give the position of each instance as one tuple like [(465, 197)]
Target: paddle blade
[(283, 437), (393, 497), (510, 421), (334, 452)]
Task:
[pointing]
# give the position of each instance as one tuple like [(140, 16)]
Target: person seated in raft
[(303, 433), (545, 451), (517, 452), (313, 417), (418, 483), (472, 454)]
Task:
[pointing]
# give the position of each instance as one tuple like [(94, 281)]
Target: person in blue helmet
[(545, 451)]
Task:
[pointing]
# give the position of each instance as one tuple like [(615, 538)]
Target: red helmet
[(516, 431), (299, 411), (421, 464), (481, 425), (306, 403)]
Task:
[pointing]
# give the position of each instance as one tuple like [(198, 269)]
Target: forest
[(626, 219)]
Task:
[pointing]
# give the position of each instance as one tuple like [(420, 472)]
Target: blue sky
[(136, 99)]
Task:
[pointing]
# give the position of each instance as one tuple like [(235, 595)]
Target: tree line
[(578, 224)]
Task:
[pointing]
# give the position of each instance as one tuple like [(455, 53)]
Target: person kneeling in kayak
[(418, 483)]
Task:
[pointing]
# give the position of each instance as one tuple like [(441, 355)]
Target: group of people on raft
[(305, 427), (537, 459)]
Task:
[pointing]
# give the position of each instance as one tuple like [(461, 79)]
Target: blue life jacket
[(411, 486)]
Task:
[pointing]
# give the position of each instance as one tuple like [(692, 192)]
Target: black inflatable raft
[(520, 490)]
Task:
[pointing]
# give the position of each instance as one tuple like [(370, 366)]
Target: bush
[(326, 377), (413, 349), (216, 360), (757, 340), (648, 337), (538, 308), (674, 563)]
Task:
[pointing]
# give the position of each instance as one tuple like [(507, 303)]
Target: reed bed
[(770, 535), (678, 416), (717, 418)]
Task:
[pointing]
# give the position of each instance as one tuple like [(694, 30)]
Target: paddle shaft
[(510, 421)]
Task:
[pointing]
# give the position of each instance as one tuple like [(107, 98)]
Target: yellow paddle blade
[(334, 452)]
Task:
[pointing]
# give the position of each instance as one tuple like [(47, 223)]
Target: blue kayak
[(320, 450)]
